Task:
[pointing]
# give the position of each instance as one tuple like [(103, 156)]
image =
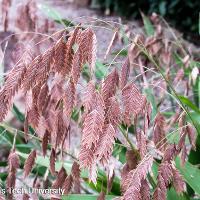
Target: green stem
[(127, 139), (171, 87)]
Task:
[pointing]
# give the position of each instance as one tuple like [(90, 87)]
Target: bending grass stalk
[(171, 87)]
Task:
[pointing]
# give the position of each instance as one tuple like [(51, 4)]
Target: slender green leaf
[(18, 114), (191, 174), (188, 103), (101, 70), (172, 194), (148, 26)]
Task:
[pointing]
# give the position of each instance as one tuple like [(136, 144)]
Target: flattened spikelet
[(164, 178), (69, 53), (10, 183), (5, 104), (76, 66), (133, 102), (135, 177), (30, 75), (13, 160), (33, 116), (52, 161), (60, 129), (11, 179), (42, 98), (67, 185), (105, 144), (12, 84), (86, 156), (29, 163), (191, 135), (14, 79), (92, 100), (60, 50), (109, 85), (178, 181), (92, 128), (88, 97), (75, 172), (45, 141), (87, 44), (44, 70), (125, 73), (141, 143), (61, 176), (113, 114), (69, 98), (170, 153), (159, 131), (145, 190)]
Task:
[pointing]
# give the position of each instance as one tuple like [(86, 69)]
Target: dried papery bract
[(133, 102), (29, 163)]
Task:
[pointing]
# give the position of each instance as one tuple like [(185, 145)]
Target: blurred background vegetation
[(182, 14)]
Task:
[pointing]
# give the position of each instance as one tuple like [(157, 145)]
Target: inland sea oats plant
[(139, 135)]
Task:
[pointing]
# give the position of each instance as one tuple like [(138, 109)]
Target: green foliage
[(182, 14)]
